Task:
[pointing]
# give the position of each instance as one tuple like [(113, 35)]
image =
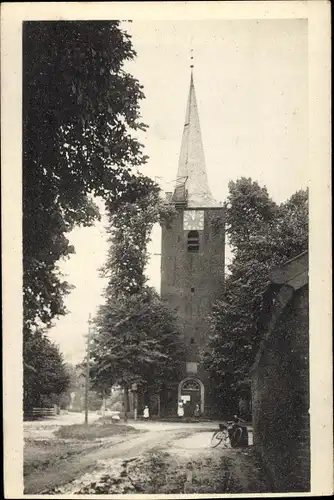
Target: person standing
[(180, 409), (146, 413), (197, 411)]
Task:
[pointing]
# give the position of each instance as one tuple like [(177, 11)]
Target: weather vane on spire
[(191, 58)]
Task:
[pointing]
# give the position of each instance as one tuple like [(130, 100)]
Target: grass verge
[(100, 429)]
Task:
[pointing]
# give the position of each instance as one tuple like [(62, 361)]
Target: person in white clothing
[(146, 412), (180, 409)]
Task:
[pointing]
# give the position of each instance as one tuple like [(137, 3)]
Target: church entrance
[(191, 391)]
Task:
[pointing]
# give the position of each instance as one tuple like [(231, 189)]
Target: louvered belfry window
[(193, 241)]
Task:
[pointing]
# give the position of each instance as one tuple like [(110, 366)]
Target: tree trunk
[(125, 402)]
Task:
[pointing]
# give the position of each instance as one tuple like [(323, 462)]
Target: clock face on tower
[(193, 220)]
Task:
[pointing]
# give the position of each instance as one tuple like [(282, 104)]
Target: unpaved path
[(65, 471), (218, 470), (165, 459)]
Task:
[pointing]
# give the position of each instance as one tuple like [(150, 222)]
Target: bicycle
[(219, 435), (235, 431)]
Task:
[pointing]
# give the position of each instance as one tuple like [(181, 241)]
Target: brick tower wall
[(190, 282)]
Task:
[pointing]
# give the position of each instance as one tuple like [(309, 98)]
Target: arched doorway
[(191, 391)]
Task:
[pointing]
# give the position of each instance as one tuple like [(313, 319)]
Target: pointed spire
[(191, 169), (191, 60)]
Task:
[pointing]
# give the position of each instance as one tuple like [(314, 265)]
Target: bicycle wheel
[(236, 437), (216, 439)]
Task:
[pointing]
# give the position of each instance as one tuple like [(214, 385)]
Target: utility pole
[(159, 405), (87, 369), (104, 404)]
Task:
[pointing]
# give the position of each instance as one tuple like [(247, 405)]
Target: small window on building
[(192, 385), (192, 290), (192, 340), (193, 241)]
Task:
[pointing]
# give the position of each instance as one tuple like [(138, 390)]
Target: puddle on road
[(41, 434), (199, 441)]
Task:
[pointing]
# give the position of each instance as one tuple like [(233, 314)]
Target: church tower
[(192, 262)]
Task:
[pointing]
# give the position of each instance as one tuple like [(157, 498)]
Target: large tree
[(137, 337), (80, 112), (45, 375), (262, 235), (137, 340)]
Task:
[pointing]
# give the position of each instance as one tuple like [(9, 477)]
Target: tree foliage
[(80, 109), (129, 229), (262, 235), (137, 337), (45, 373), (136, 341)]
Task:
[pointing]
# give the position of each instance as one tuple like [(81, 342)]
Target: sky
[(251, 81)]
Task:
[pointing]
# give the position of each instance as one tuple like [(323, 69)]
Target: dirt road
[(164, 458), (44, 429)]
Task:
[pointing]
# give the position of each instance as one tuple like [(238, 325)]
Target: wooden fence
[(45, 412)]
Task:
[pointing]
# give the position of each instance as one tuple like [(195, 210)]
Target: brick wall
[(280, 398), (190, 283)]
